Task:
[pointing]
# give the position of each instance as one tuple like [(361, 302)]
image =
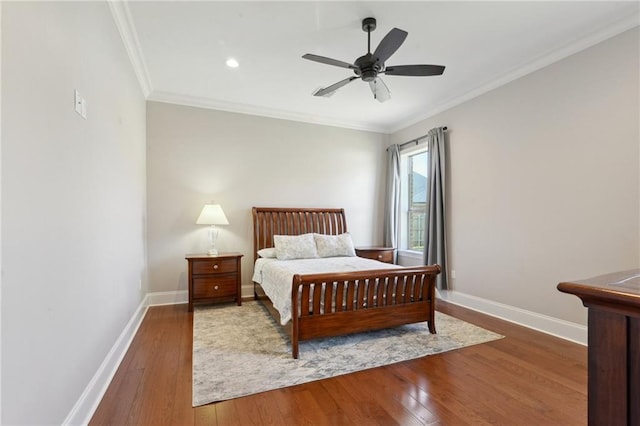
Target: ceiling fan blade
[(328, 61), (380, 90), (389, 44), (328, 91), (414, 70)]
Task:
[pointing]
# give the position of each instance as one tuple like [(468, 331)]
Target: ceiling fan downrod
[(368, 67), (368, 25)]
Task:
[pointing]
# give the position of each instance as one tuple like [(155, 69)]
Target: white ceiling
[(179, 51)]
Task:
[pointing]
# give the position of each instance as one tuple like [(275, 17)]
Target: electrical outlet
[(140, 285), (453, 274)]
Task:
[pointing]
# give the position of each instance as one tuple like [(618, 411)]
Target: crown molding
[(540, 62), (124, 22), (201, 102), (126, 27)]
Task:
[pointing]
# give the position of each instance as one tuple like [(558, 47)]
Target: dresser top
[(620, 287)]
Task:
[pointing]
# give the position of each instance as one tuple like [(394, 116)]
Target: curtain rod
[(444, 129)]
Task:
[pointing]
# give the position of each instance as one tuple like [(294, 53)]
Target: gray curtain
[(435, 247), (392, 202)]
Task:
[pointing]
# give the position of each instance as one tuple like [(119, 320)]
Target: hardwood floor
[(527, 378)]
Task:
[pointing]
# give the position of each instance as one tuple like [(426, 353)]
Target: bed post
[(432, 296), (294, 316), (257, 228)]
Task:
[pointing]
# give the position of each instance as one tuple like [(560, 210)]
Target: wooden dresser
[(214, 278), (613, 301), (383, 254)]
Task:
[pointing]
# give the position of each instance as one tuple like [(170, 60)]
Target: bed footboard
[(335, 304)]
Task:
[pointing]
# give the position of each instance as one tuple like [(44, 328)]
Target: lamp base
[(213, 236)]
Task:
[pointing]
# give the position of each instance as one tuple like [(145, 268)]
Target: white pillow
[(295, 246), (267, 253), (334, 245)]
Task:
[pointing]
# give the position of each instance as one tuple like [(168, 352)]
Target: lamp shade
[(212, 214)]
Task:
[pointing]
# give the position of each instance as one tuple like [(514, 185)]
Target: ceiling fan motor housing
[(367, 67)]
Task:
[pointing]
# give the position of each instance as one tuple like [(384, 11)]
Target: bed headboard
[(270, 221)]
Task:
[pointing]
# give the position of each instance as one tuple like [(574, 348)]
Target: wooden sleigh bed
[(333, 304)]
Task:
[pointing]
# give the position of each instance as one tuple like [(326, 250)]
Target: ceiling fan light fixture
[(369, 75)]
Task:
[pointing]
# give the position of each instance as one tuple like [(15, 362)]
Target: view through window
[(414, 180)]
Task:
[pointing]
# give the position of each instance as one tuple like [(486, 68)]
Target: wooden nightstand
[(383, 254), (214, 278)]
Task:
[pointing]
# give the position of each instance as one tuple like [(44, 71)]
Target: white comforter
[(276, 276)]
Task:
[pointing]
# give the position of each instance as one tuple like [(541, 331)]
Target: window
[(414, 165)]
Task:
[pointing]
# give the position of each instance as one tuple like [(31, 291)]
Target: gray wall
[(73, 203), (544, 179), (196, 155)]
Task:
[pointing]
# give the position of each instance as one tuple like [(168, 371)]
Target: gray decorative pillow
[(334, 245), (295, 246)]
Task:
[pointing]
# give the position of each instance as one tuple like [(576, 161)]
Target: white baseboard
[(87, 404), (168, 298), (560, 328)]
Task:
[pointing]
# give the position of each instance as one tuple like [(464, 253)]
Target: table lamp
[(213, 215)]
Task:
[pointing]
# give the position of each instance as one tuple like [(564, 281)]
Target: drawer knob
[(379, 256), (215, 266), (216, 287)]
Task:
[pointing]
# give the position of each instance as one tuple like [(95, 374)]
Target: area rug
[(240, 350)]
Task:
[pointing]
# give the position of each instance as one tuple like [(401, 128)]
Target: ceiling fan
[(369, 66)]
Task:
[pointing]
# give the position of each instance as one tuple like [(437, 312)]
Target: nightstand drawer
[(208, 287), (382, 254), (214, 266)]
